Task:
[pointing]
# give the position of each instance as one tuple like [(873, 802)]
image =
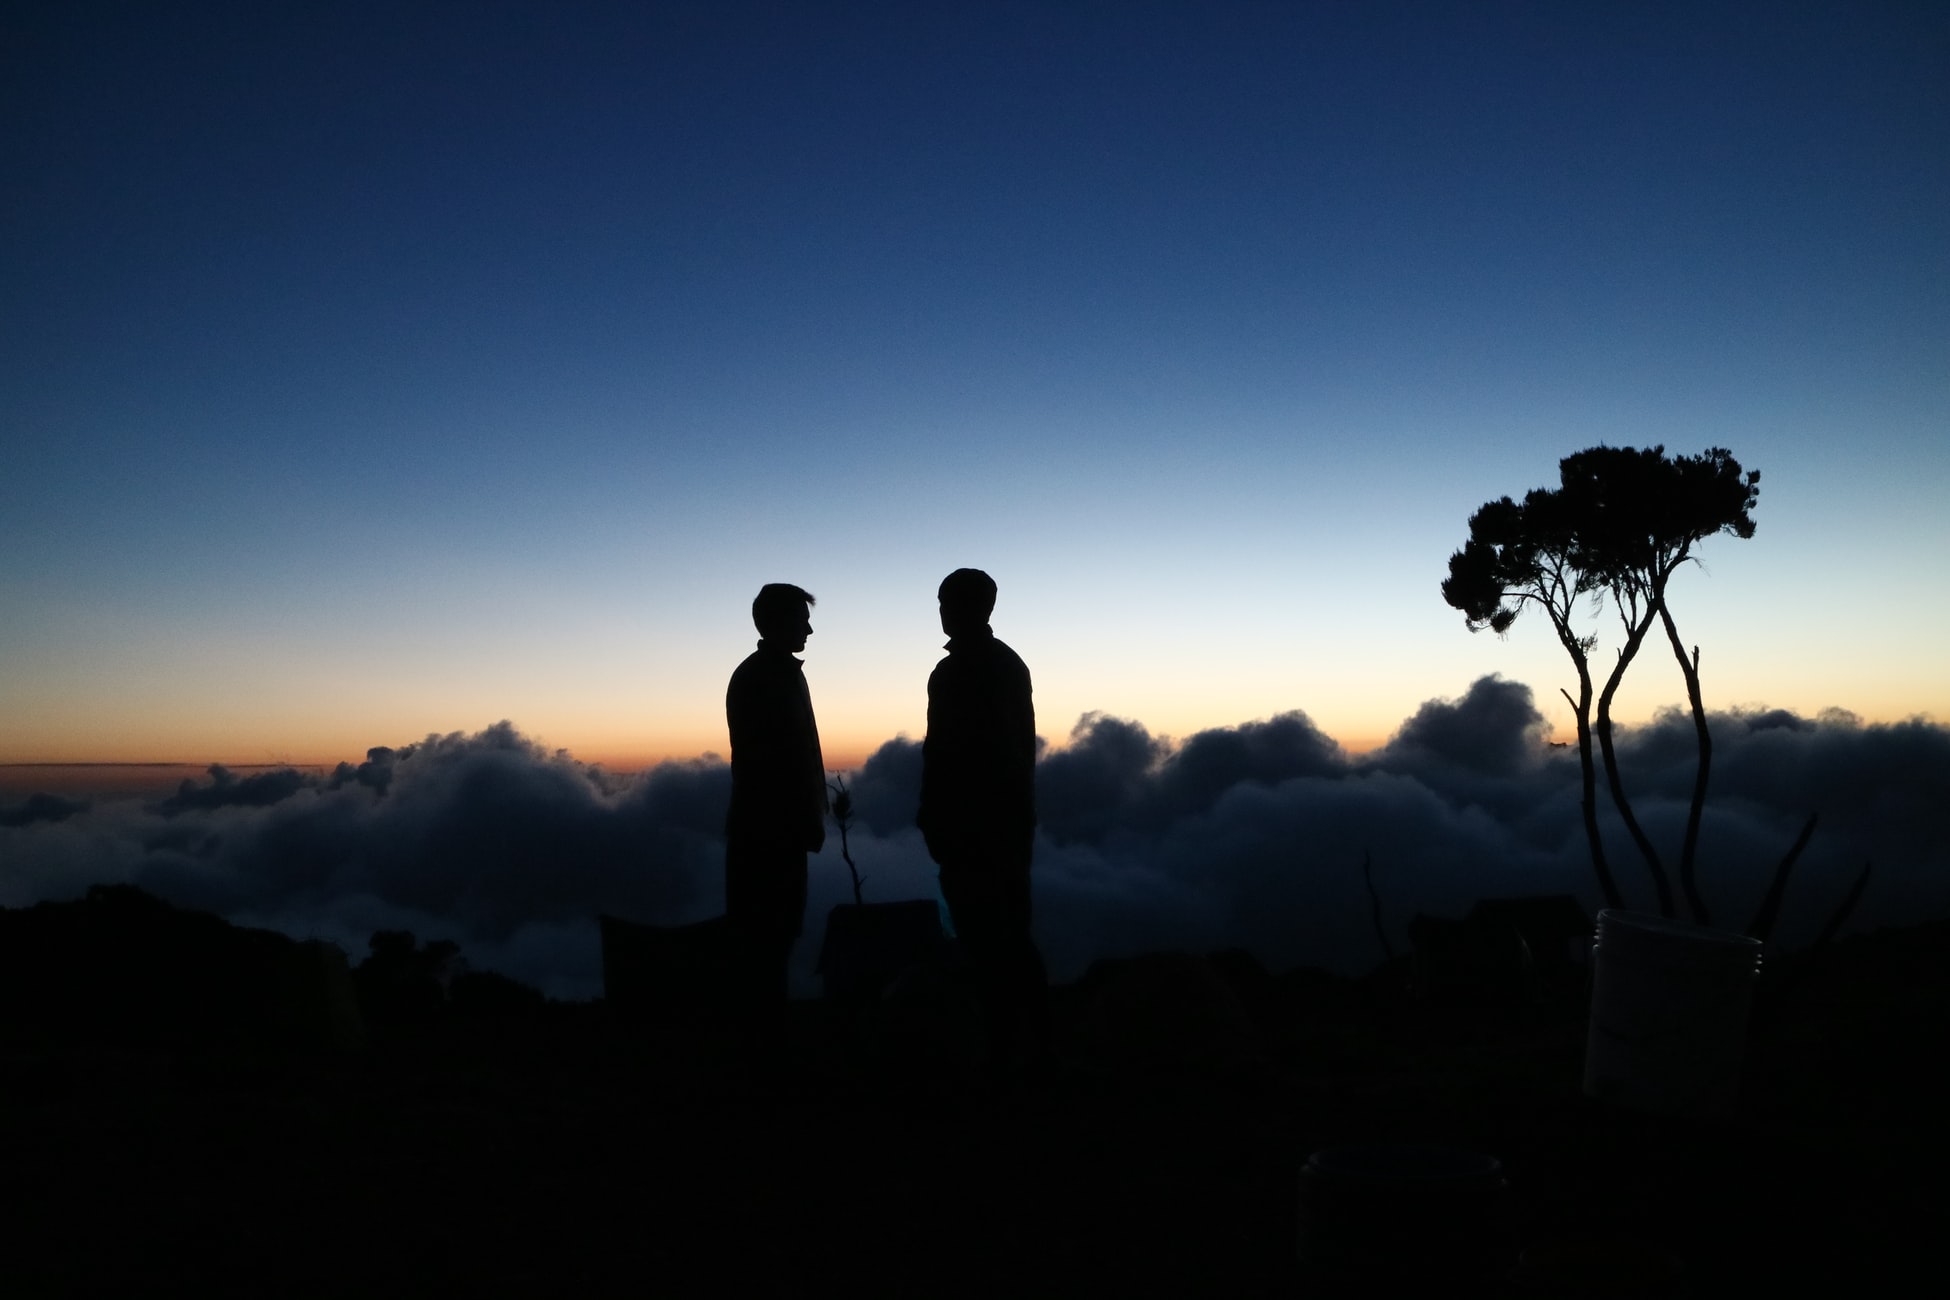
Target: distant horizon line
[(198, 764), (625, 764), (628, 764)]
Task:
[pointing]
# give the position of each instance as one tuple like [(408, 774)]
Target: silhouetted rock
[(121, 966), (869, 946), (402, 983), (668, 972)]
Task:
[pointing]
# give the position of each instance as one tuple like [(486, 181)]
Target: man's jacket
[(978, 763), (778, 779)]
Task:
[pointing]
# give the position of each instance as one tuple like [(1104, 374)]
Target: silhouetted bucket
[(1669, 1009), (1376, 1218)]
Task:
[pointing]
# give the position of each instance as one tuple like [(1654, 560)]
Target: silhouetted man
[(978, 813), (778, 801)]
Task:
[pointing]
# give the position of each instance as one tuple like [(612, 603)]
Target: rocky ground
[(556, 1151)]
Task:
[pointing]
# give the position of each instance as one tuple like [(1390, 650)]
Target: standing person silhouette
[(978, 814), (778, 805)]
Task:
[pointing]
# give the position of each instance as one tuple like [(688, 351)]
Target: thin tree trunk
[(1688, 879), (1588, 803), (1587, 767), (1616, 783)]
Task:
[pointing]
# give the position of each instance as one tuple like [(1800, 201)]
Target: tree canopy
[(1516, 554), (1634, 515)]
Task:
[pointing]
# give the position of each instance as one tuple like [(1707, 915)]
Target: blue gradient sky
[(368, 373)]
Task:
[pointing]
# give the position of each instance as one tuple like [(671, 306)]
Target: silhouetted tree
[(1520, 555), (1620, 523)]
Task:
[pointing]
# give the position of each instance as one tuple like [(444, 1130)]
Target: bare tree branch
[(1762, 926)]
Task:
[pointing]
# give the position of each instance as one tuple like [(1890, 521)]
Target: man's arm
[(1025, 744), (928, 817)]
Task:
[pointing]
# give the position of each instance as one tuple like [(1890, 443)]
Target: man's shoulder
[(760, 669), (1007, 657), (978, 666)]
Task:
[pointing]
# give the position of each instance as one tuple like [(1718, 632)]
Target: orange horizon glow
[(625, 762), (844, 755), (844, 751)]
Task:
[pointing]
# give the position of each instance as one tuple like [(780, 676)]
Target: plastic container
[(1670, 1004), (1375, 1219)]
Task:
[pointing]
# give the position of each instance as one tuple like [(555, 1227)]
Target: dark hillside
[(524, 1148)]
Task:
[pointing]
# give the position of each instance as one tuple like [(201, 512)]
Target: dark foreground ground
[(559, 1152)]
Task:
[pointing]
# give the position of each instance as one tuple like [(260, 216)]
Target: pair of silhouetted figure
[(977, 813)]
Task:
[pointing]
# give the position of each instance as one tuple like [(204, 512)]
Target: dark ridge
[(162, 1071)]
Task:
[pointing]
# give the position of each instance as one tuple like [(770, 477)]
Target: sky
[(371, 372)]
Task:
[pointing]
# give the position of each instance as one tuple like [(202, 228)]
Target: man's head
[(967, 599), (783, 615)]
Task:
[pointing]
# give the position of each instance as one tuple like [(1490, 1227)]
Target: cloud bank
[(1250, 836)]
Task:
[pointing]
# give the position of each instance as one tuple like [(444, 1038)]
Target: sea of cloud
[(1252, 836)]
